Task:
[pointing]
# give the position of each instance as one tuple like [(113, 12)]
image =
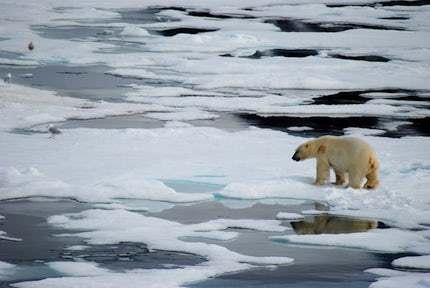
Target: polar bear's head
[(310, 149)]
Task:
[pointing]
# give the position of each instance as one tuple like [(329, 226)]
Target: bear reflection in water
[(327, 224)]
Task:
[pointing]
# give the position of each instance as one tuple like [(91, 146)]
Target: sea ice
[(3, 236), (23, 107), (420, 262), (156, 234), (378, 240), (33, 183), (79, 268), (6, 269), (133, 31), (399, 279), (289, 216)]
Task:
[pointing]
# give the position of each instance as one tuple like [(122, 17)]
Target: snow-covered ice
[(6, 269), (156, 234), (77, 268), (23, 107), (399, 279), (385, 240), (289, 216), (126, 164), (421, 262), (33, 183)]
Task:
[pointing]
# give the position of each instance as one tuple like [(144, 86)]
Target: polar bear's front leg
[(323, 172)]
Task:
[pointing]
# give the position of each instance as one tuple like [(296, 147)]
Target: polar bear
[(346, 155)]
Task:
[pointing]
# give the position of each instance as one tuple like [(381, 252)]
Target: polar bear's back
[(351, 152)]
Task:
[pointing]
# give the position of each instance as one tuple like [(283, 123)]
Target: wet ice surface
[(33, 254), (169, 91)]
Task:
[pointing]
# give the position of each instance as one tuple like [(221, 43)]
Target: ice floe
[(378, 240), (399, 279), (77, 247), (303, 128), (126, 163), (23, 107), (4, 236), (420, 262), (133, 31), (33, 183), (6, 269), (156, 234), (77, 268), (289, 216)]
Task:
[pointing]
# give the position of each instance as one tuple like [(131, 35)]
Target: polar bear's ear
[(322, 149)]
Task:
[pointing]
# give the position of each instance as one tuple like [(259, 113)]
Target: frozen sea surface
[(149, 144)]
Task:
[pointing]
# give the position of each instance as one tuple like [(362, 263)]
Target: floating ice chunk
[(27, 75), (379, 240), (134, 31), (385, 272), (399, 279), (77, 247), (362, 131), (393, 125), (289, 216), (3, 236), (301, 128), (78, 269), (420, 262), (6, 269)]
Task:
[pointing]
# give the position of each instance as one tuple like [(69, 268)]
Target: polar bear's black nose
[(296, 156)]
